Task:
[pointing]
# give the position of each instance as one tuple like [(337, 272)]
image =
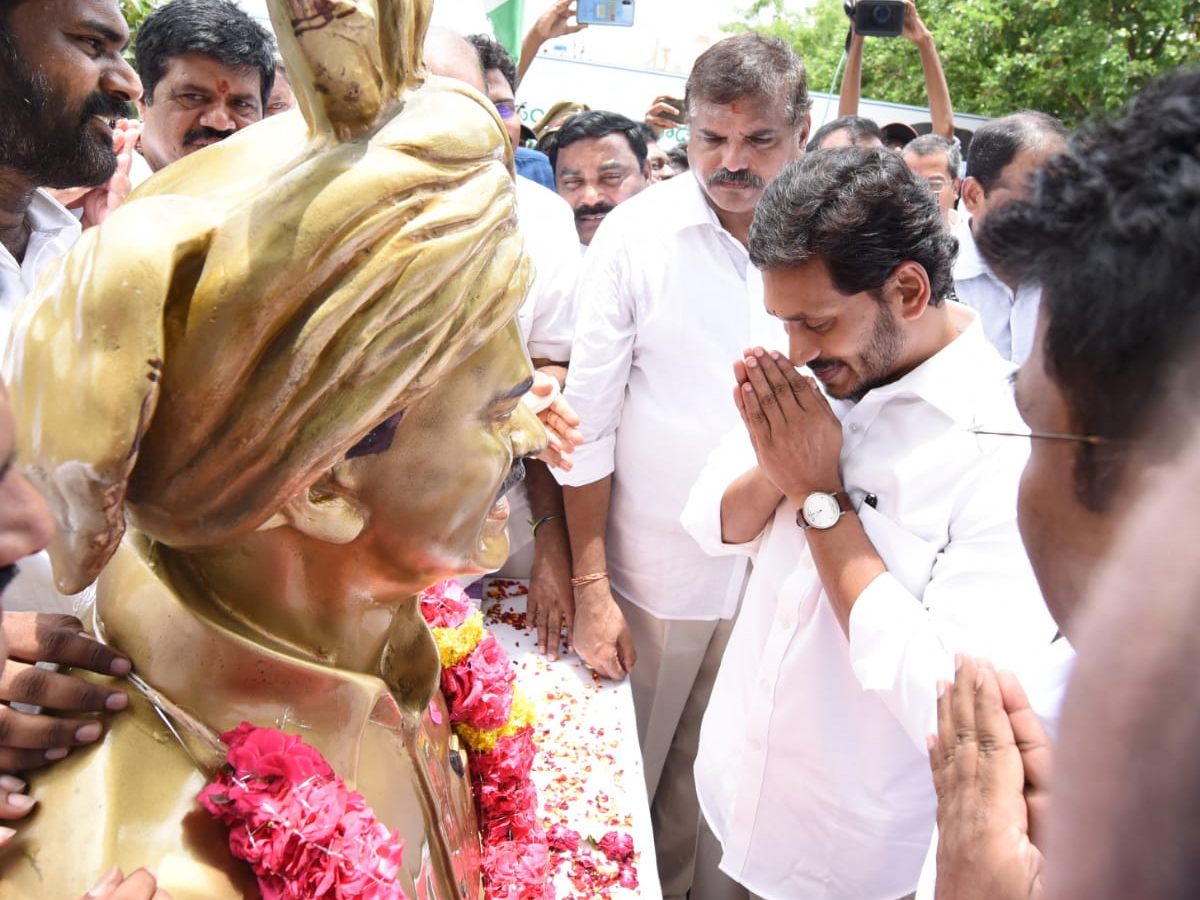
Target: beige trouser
[(677, 662)]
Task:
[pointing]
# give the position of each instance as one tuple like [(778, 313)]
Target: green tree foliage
[(135, 11), (1071, 58)]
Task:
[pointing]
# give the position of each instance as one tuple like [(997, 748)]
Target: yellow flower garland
[(520, 716), (456, 644)]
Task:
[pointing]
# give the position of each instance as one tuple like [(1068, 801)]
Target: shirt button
[(755, 744), (786, 623), (764, 686), (854, 428)]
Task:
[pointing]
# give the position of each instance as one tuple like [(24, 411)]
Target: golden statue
[(290, 364)]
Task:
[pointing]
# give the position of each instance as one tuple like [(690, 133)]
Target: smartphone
[(679, 118), (604, 12)]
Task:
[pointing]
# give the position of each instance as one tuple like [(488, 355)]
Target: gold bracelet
[(588, 579)]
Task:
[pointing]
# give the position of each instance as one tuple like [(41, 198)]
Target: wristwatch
[(822, 510)]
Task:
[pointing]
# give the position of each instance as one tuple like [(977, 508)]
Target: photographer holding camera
[(889, 18)]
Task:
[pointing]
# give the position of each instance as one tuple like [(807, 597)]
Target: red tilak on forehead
[(223, 87)]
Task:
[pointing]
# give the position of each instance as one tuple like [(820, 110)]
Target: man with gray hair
[(666, 299), (1003, 156), (937, 161), (883, 534)]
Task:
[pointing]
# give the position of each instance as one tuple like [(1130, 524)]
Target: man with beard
[(667, 297), (208, 69), (882, 528), (599, 160), (63, 86)]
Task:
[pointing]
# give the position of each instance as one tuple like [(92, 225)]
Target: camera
[(876, 18)]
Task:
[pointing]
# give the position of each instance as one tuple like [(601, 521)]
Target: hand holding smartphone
[(605, 12)]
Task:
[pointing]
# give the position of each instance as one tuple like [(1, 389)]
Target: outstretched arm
[(554, 22), (937, 91), (851, 90)]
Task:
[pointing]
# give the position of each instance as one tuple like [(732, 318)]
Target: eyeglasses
[(936, 182), (508, 110), (1092, 439)]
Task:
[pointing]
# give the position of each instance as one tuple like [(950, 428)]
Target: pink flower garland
[(479, 692), (305, 834)]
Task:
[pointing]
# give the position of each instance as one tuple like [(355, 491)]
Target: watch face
[(821, 510)]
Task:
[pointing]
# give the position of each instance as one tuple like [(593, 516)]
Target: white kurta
[(812, 769), (1009, 320), (667, 300)]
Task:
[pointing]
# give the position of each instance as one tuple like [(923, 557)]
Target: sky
[(666, 35)]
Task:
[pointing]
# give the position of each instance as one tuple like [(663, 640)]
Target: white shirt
[(53, 229), (1009, 320), (666, 302), (1045, 684), (812, 770), (546, 318)]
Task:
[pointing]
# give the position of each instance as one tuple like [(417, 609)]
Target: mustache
[(515, 476), (599, 209), (7, 574), (105, 106), (743, 178), (198, 134)]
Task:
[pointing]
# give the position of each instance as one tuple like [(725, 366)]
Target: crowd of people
[(867, 422)]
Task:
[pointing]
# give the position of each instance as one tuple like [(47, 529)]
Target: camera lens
[(881, 14)]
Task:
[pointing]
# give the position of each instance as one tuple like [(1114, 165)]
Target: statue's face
[(433, 496)]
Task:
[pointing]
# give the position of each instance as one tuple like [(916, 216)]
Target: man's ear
[(972, 193), (909, 289), (327, 511), (803, 132)]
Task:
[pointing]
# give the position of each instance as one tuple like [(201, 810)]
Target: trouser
[(677, 662)]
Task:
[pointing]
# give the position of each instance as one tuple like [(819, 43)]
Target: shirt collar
[(691, 207), (968, 264), (952, 379), (49, 217)]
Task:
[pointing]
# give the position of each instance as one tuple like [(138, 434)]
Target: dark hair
[(750, 65), (998, 142), (936, 145), (647, 133), (678, 157), (597, 123), (860, 129), (860, 211), (1111, 232), (493, 55), (217, 28)]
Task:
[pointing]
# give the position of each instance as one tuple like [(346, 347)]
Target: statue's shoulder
[(129, 801)]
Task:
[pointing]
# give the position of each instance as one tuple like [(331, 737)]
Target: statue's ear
[(327, 511)]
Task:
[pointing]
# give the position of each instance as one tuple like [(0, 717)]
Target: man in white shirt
[(667, 299), (60, 104), (208, 68), (1002, 157), (600, 160), (1109, 395), (882, 529)]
